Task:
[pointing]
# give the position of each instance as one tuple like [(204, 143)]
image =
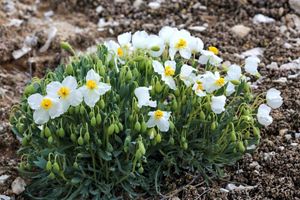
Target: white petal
[(40, 116), (234, 72), (103, 88), (52, 88), (155, 41), (91, 98), (34, 101), (166, 33), (139, 39), (65, 105), (143, 96), (251, 64), (218, 104), (274, 100), (70, 82), (185, 53), (171, 63), (158, 67), (169, 81), (163, 125), (124, 39), (75, 98), (172, 52), (92, 75), (152, 104), (56, 110), (230, 89), (151, 122), (264, 109), (203, 59)]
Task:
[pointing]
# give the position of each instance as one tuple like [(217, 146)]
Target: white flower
[(230, 89), (124, 40), (166, 33), (140, 40), (218, 104), (274, 100), (143, 95), (187, 75), (198, 86), (44, 107), (180, 41), (160, 119), (93, 88), (196, 45), (212, 82), (209, 57), (263, 115), (167, 72), (66, 91), (114, 47), (156, 45), (251, 64), (234, 73)]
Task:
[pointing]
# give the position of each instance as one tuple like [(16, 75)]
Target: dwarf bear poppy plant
[(115, 123)]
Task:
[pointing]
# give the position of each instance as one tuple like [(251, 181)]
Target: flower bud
[(47, 132), (246, 87), (56, 167), (117, 129), (235, 82), (241, 147), (128, 76), (137, 126), (142, 148), (80, 140), (202, 115), (82, 109), (71, 110), (50, 140), (152, 133), (86, 137), (93, 121), (91, 114), (247, 135), (174, 104), (256, 132), (73, 137), (213, 126), (51, 175), (138, 154), (98, 119), (172, 126), (143, 127), (102, 104), (177, 92), (171, 141), (110, 147), (158, 138), (101, 70), (66, 46), (158, 87), (24, 141), (232, 136), (49, 165), (77, 109), (120, 126), (29, 89), (75, 165), (61, 132), (185, 145), (111, 129)]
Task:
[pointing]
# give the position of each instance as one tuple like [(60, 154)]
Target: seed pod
[(213, 126), (177, 92), (111, 129), (75, 165), (246, 87), (117, 129), (232, 136), (73, 137), (80, 140), (22, 165), (128, 76), (185, 145), (143, 127), (24, 141), (61, 132), (235, 82), (158, 87), (42, 134), (137, 126), (171, 141), (102, 104), (71, 110), (174, 105), (102, 70), (50, 140), (141, 170), (182, 139), (109, 147), (86, 137), (138, 154), (256, 132), (51, 175), (69, 69), (20, 127), (120, 126), (49, 165), (98, 119), (241, 147), (93, 121), (172, 126), (130, 118), (77, 109), (29, 89), (56, 167), (247, 135), (142, 148), (47, 132), (91, 114), (158, 138), (202, 115), (152, 133), (82, 110)]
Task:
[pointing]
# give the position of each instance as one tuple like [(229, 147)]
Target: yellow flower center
[(46, 103), (158, 114), (181, 44), (63, 92), (169, 71), (91, 84), (199, 86), (213, 49), (120, 52), (220, 82)]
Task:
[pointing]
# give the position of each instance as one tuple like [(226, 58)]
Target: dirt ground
[(272, 172)]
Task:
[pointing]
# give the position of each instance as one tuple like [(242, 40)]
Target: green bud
[(47, 132), (138, 154), (22, 165), (102, 104), (75, 165), (177, 92), (182, 139), (73, 137), (29, 89), (137, 126), (155, 48), (98, 119), (61, 132), (77, 109), (69, 69), (82, 110), (117, 129), (256, 132), (172, 126), (86, 137), (158, 87), (56, 167), (152, 133), (235, 82), (91, 114), (128, 76), (71, 110), (174, 105), (130, 118), (111, 129), (171, 141), (93, 121), (158, 138), (142, 148), (66, 46), (102, 70), (24, 141), (141, 170), (120, 126), (246, 87), (51, 175), (143, 127), (49, 165), (110, 147), (241, 147), (50, 140), (202, 115), (42, 134), (232, 136), (213, 126), (185, 145), (80, 140)]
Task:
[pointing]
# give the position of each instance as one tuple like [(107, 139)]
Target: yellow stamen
[(158, 114), (91, 84), (63, 92), (220, 82), (46, 103), (199, 86), (213, 49), (169, 71), (120, 52), (181, 44)]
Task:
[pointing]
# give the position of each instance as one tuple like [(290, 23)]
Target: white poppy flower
[(251, 64), (218, 104), (209, 57), (181, 42), (93, 88), (140, 40), (198, 86), (196, 45), (143, 95), (274, 100), (167, 72), (234, 73), (124, 40), (66, 91), (160, 119), (114, 47), (156, 45), (166, 33), (187, 75), (263, 115), (44, 107), (212, 82), (230, 89)]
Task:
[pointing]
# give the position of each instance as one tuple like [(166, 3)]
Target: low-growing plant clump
[(114, 123)]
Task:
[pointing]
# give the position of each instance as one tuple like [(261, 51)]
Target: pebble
[(253, 52), (295, 64), (154, 5), (297, 135), (3, 178), (268, 156), (4, 197), (295, 5), (51, 34), (281, 80), (232, 186), (287, 45), (197, 28), (224, 190), (15, 22), (288, 136), (260, 18), (294, 144), (254, 164), (273, 65), (240, 30), (99, 9), (18, 186), (281, 148)]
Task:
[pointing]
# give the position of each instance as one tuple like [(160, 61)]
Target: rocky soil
[(31, 31)]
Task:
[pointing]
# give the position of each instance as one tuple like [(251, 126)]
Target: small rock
[(224, 190), (297, 135), (294, 76), (21, 52), (154, 5), (18, 186), (48, 14), (295, 64), (175, 198), (281, 80), (51, 34), (99, 9), (253, 52), (268, 156), (287, 45), (259, 18), (15, 22), (257, 172), (273, 66), (251, 147), (239, 171), (240, 30), (4, 197), (3, 178), (254, 164), (197, 28), (295, 5), (288, 136), (281, 148), (294, 144)]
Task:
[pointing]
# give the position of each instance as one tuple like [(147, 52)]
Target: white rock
[(9, 6), (232, 186), (295, 64), (48, 14), (18, 186), (273, 65), (21, 52), (3, 178), (253, 146), (253, 52), (15, 22), (295, 5), (268, 156), (281, 80), (294, 76), (294, 144), (99, 9), (254, 164), (287, 45), (288, 136), (281, 148), (197, 28), (224, 190), (4, 197), (51, 34), (154, 5), (297, 135), (240, 30), (260, 18)]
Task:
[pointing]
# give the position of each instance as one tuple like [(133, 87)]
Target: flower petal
[(163, 124), (151, 122), (40, 116), (75, 98), (158, 67), (70, 82), (34, 101), (52, 89), (92, 75)]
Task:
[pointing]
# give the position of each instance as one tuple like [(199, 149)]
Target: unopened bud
[(158, 138), (47, 132), (137, 126), (80, 141), (111, 129), (93, 121), (158, 87)]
